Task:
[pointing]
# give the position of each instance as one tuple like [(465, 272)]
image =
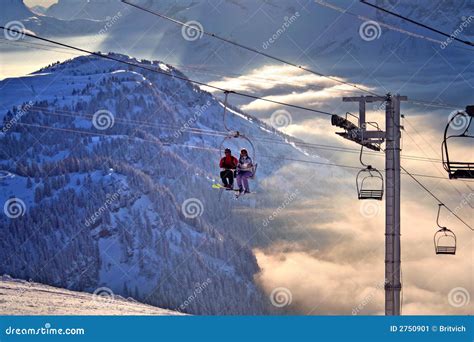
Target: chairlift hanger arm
[(368, 166), (437, 217)]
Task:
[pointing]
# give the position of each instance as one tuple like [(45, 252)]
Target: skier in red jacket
[(228, 164)]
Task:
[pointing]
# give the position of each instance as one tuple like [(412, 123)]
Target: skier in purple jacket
[(244, 171)]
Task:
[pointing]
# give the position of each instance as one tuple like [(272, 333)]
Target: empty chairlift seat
[(460, 121), (370, 184), (444, 239)]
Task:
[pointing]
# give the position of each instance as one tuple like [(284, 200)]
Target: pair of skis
[(238, 193)]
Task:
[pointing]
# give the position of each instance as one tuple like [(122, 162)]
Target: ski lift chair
[(369, 182), (444, 239), (236, 134), (458, 169)]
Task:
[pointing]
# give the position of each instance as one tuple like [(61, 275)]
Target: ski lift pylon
[(455, 168), (369, 182), (444, 239)]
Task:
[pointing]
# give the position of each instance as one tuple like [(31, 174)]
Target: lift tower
[(372, 139)]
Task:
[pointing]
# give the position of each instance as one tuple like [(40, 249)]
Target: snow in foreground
[(19, 297)]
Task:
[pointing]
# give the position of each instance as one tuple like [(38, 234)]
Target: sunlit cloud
[(324, 245), (272, 76), (284, 84)]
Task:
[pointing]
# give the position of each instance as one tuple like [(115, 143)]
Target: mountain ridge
[(110, 210)]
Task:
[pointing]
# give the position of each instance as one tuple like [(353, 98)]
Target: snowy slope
[(19, 297)]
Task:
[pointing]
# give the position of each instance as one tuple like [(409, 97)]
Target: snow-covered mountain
[(20, 297), (291, 25), (78, 9), (108, 206), (15, 12), (324, 35), (38, 9)]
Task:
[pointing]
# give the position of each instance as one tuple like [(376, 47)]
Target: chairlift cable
[(434, 162), (100, 55), (91, 133), (254, 50), (213, 35), (435, 197), (417, 23), (191, 130)]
